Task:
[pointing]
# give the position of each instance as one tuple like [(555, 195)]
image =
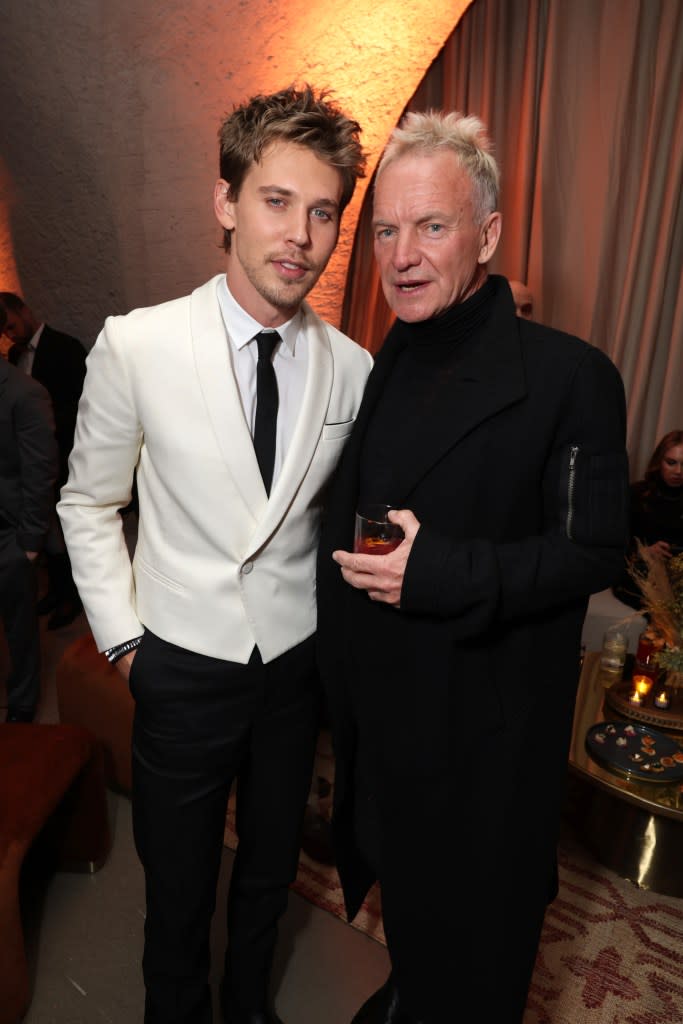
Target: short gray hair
[(467, 137)]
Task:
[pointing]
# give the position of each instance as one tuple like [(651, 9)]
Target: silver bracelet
[(114, 653)]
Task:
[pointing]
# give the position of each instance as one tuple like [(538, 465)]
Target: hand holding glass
[(374, 534)]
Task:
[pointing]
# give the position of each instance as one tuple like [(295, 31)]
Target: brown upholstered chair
[(52, 793), (91, 693)]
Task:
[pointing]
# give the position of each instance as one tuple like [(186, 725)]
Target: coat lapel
[(489, 379), (224, 407), (309, 425), (222, 399)]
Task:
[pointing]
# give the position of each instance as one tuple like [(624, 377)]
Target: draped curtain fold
[(583, 101)]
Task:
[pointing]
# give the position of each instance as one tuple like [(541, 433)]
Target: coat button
[(247, 567)]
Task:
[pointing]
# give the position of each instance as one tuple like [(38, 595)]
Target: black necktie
[(266, 405)]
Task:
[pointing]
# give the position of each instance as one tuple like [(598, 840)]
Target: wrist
[(112, 654)]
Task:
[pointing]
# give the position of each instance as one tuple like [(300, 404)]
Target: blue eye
[(320, 214)]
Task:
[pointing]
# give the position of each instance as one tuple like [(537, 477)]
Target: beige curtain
[(584, 102)]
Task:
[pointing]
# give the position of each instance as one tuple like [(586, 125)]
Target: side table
[(632, 826)]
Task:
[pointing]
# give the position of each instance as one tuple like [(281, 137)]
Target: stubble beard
[(282, 295)]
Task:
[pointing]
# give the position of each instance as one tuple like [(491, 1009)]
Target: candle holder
[(623, 698), (642, 683)]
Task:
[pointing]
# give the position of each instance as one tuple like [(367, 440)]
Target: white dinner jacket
[(218, 566)]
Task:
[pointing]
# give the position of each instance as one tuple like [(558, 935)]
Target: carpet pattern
[(610, 953)]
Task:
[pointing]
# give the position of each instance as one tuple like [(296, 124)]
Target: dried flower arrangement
[(661, 586)]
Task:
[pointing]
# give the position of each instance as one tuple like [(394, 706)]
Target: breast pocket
[(337, 431)]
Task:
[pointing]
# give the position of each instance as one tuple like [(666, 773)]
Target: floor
[(84, 932)]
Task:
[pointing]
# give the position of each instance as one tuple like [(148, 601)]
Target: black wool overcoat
[(464, 695)]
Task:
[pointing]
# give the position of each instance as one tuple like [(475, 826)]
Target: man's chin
[(288, 296), (411, 314)]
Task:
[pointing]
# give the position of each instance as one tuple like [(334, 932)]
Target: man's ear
[(223, 205), (490, 236)]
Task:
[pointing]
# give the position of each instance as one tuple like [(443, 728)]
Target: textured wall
[(110, 110)]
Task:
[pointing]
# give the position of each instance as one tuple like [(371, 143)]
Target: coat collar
[(490, 378)]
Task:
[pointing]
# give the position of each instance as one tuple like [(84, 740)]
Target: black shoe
[(65, 613), (20, 715), (47, 603), (383, 1007)]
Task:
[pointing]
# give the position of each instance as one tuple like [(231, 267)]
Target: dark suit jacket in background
[(466, 693), (28, 456), (59, 365)]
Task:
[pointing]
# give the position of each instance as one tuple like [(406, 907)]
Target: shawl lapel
[(224, 409)]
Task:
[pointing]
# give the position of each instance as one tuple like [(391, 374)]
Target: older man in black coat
[(28, 469), (57, 361), (451, 663)]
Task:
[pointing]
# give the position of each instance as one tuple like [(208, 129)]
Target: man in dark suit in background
[(451, 663), (28, 469), (57, 361)]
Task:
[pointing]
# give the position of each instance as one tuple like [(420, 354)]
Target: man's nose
[(406, 253), (298, 228)]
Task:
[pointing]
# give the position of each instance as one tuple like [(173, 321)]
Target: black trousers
[(200, 724), (18, 609)]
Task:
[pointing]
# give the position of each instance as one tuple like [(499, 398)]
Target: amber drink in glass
[(374, 534)]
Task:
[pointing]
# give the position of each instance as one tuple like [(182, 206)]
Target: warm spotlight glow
[(9, 279)]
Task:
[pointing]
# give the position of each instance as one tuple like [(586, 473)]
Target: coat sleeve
[(574, 549), (34, 432), (101, 469)]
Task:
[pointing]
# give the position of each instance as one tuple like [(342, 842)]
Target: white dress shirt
[(290, 362)]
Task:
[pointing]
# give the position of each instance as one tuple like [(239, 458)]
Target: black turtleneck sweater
[(424, 375)]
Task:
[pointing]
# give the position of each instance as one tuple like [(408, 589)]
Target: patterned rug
[(610, 953)]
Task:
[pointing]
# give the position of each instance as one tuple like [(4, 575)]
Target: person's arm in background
[(38, 457)]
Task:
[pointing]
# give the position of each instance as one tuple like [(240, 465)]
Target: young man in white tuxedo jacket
[(213, 622)]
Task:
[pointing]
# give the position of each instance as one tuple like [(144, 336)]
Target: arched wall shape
[(110, 117), (583, 101)]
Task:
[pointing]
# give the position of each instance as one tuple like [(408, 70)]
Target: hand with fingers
[(381, 576)]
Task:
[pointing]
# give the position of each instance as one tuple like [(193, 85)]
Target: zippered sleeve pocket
[(594, 492)]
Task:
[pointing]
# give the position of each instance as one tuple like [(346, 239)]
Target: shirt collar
[(242, 327), (33, 343)]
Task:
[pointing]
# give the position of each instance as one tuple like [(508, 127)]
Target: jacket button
[(247, 567)]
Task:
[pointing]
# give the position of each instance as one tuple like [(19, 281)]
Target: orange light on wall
[(9, 277)]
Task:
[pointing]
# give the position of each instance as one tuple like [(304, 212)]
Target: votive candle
[(662, 700), (636, 698), (642, 684)]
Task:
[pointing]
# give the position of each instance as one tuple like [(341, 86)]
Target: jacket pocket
[(594, 493), (141, 566), (334, 431)]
